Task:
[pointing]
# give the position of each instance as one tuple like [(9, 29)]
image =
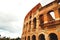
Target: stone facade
[(40, 25)]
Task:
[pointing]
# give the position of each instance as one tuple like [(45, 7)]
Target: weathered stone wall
[(40, 25)]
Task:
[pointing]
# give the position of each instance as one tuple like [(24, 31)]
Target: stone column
[(37, 23), (37, 37), (31, 25), (45, 18), (26, 27), (56, 14), (31, 37), (46, 37)]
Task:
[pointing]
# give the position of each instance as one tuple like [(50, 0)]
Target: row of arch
[(51, 36), (50, 15)]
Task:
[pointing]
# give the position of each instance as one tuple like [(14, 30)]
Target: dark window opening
[(59, 10), (53, 36), (26, 26), (29, 26), (41, 37), (33, 37), (28, 37), (25, 38), (30, 17), (59, 1), (41, 18), (34, 22)]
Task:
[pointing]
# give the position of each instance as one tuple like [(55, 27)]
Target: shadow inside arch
[(53, 36)]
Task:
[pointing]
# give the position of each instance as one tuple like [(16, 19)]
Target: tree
[(18, 38)]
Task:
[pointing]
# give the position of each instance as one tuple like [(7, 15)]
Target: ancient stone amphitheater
[(39, 24)]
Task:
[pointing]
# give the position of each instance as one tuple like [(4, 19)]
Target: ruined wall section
[(39, 21)]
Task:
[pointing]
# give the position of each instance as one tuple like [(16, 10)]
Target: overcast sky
[(12, 14)]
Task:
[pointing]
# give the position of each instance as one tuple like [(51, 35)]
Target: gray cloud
[(6, 21), (7, 17)]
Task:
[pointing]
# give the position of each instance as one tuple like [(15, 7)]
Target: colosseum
[(39, 24)]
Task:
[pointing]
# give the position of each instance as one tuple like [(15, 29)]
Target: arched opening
[(30, 16), (28, 37), (59, 10), (51, 15), (29, 25), (25, 38), (33, 37), (58, 2), (41, 37), (51, 19), (34, 22), (53, 36), (41, 18)]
